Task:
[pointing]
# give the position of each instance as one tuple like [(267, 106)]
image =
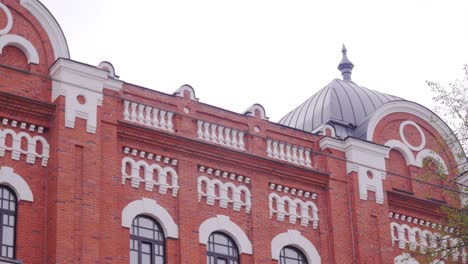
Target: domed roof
[(341, 103)]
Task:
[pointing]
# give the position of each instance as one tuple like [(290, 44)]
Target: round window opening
[(81, 99)]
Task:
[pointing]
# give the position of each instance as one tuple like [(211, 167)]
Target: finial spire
[(345, 66)]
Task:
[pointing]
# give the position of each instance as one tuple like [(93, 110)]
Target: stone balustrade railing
[(221, 135), (149, 116), (289, 152)]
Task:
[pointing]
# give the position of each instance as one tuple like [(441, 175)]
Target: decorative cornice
[(149, 155), (224, 174), (293, 191), (23, 125)]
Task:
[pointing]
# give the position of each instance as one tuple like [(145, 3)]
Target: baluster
[(234, 138), (269, 152), (275, 149), (214, 138), (228, 136), (148, 115), (133, 115), (162, 119), (288, 152), (301, 156), (200, 129), (295, 158), (126, 112), (207, 131), (170, 125), (220, 135), (241, 140), (141, 117), (155, 117), (307, 155), (281, 151)]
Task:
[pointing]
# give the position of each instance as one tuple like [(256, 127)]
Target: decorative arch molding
[(23, 44), (223, 224), (9, 19), (403, 149), (150, 208), (17, 183), (427, 115), (51, 27), (294, 238), (427, 153)]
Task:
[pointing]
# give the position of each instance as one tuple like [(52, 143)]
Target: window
[(8, 222), (291, 255), (221, 249), (146, 242)]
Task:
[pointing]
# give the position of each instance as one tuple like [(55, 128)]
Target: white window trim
[(223, 224), (150, 208), (21, 188), (295, 239)]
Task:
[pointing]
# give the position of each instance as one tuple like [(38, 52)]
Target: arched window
[(146, 242), (221, 249), (8, 222), (291, 255)]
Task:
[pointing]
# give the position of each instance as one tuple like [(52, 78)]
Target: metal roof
[(340, 102)]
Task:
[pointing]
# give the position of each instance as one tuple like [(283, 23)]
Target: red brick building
[(97, 170)]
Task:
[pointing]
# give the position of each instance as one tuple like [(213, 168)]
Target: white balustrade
[(149, 116), (221, 135), (289, 152)]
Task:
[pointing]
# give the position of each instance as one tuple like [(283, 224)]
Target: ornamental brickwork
[(92, 159)]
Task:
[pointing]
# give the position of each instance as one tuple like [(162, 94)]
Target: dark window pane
[(148, 241), (221, 249), (291, 255)]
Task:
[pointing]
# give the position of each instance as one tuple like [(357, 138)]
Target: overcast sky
[(276, 53)]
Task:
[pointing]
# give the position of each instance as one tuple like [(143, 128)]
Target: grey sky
[(276, 53)]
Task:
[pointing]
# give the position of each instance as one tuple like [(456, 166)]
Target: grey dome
[(342, 104)]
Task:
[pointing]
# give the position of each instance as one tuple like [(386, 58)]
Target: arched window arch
[(147, 243), (292, 255), (221, 249), (8, 208)]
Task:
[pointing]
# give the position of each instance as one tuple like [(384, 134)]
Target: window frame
[(302, 259), (145, 240), (220, 256), (8, 212)]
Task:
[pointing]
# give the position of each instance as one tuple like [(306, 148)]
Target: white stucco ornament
[(9, 18), (421, 135), (15, 40)]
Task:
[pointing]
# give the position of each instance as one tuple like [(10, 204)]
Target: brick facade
[(110, 144)]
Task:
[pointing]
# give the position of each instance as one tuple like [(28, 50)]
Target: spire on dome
[(345, 66)]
